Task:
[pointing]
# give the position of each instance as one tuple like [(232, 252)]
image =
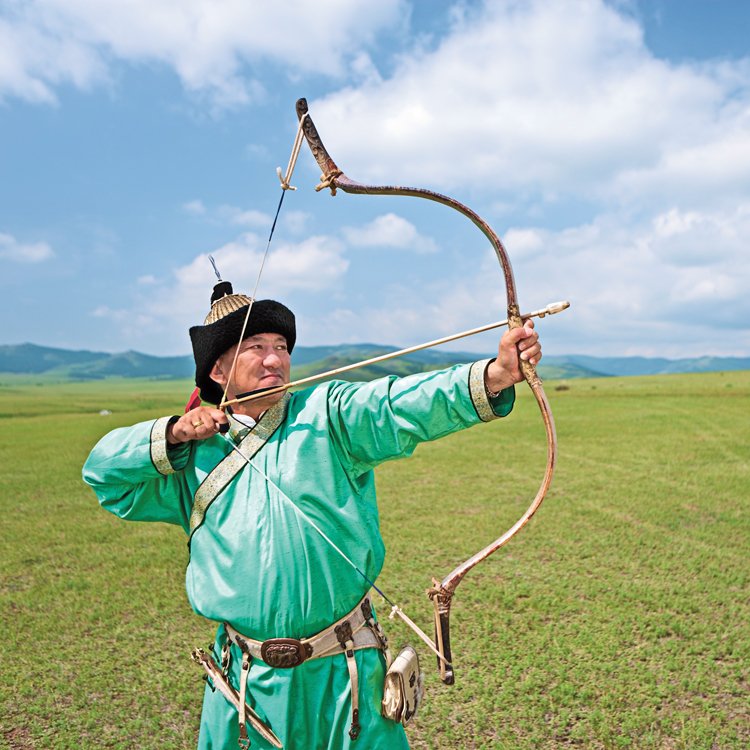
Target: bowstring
[(252, 299), (285, 185), (396, 611)]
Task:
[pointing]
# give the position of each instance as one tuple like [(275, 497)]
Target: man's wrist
[(493, 386), (491, 393), (169, 434)]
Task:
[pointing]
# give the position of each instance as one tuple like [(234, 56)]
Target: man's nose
[(271, 359)]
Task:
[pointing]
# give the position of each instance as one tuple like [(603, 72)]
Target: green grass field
[(617, 619)]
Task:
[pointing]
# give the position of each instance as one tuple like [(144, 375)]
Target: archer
[(280, 509)]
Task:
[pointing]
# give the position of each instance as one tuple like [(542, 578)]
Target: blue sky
[(608, 143)]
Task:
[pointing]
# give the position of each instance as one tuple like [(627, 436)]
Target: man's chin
[(275, 388)]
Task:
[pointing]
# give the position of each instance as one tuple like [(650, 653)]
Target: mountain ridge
[(68, 364)]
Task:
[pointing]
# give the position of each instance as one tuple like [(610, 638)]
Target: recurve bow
[(442, 592)]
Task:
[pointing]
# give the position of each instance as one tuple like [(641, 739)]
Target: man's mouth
[(266, 383)]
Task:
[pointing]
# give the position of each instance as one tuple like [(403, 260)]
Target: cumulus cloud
[(643, 163), (314, 266), (390, 230), (514, 103), (669, 286), (212, 46), (652, 288), (311, 265), (105, 311), (23, 252), (33, 61), (522, 243), (516, 98)]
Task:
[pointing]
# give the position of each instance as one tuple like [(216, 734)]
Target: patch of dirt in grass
[(18, 738), (17, 583)]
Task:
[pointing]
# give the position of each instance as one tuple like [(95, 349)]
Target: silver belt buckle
[(284, 653)]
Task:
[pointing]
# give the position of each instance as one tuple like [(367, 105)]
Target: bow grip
[(529, 371)]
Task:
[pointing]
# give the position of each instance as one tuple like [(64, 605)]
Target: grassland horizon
[(617, 619)]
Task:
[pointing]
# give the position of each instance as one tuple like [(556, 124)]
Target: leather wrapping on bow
[(442, 591)]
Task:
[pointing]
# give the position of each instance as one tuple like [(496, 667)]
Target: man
[(284, 539)]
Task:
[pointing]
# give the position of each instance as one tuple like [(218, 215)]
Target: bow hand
[(518, 347)]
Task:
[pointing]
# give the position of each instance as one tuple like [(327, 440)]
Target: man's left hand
[(198, 424), (521, 343)]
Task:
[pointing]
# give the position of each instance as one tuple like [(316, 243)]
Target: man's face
[(263, 362)]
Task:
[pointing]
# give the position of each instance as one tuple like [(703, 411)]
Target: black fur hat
[(222, 327)]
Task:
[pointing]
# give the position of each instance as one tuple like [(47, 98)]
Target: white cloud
[(708, 172), (243, 217), (210, 44), (246, 217), (194, 207), (167, 309), (523, 242), (703, 238), (518, 98), (515, 103), (389, 230), (404, 315), (651, 288), (33, 61), (672, 285), (541, 117), (20, 252), (313, 264)]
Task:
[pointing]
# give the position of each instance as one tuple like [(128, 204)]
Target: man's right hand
[(197, 424)]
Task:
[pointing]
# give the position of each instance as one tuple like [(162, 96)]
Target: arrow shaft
[(549, 310)]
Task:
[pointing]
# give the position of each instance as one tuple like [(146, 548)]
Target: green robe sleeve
[(387, 418), (137, 475)]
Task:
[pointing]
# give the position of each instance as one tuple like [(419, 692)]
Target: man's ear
[(217, 374)]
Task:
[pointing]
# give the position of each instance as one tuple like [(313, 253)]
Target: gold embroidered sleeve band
[(159, 446), (479, 396), (488, 406)]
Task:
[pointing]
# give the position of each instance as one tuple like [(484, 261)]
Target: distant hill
[(649, 365), (64, 364)]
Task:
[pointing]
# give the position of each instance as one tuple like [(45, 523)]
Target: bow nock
[(441, 599)]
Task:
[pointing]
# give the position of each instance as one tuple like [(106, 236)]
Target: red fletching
[(194, 402)]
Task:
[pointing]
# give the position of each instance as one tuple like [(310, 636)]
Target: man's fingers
[(219, 417), (207, 427), (519, 334), (532, 351), (203, 422)]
